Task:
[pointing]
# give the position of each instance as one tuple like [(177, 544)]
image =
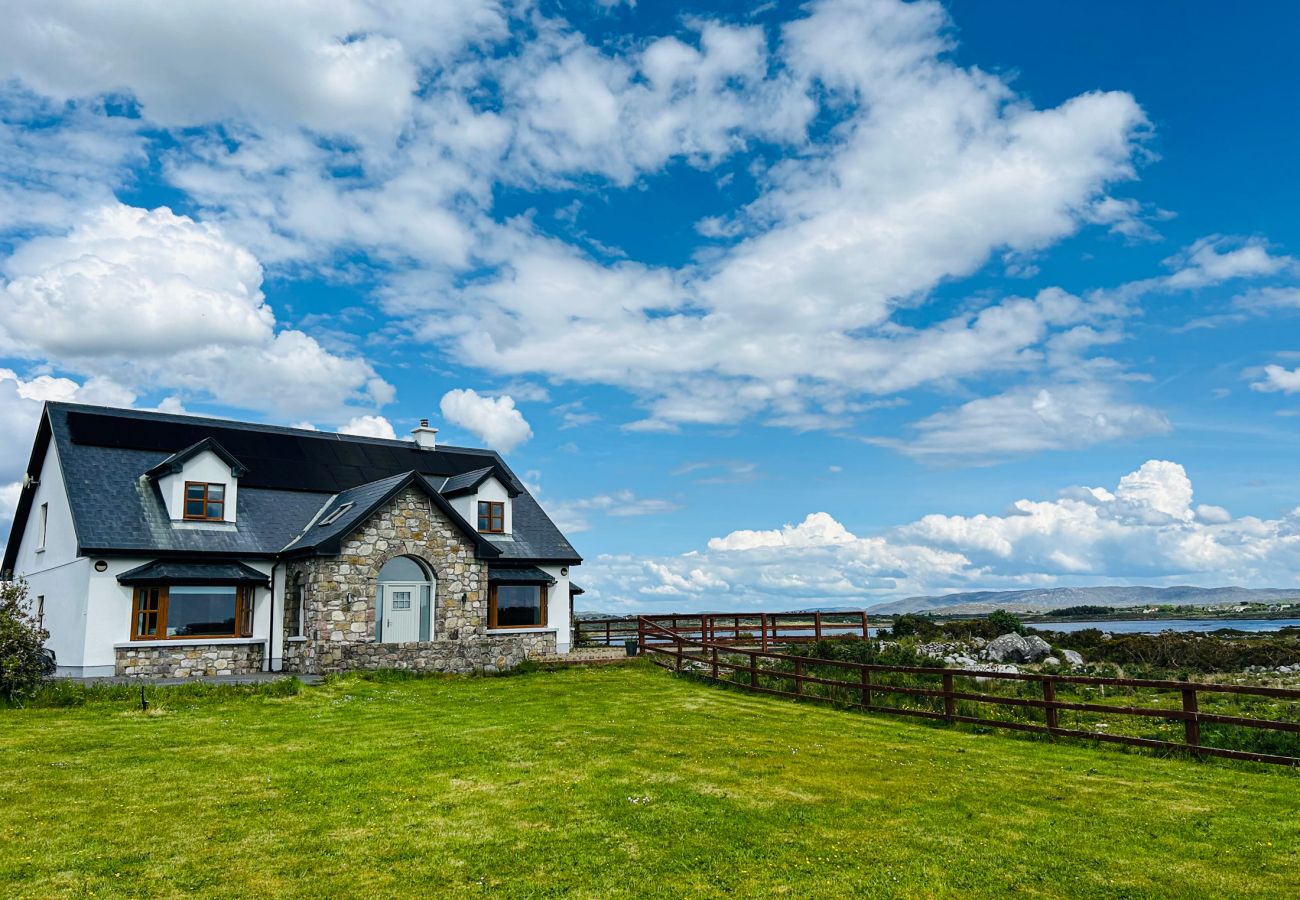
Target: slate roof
[(293, 477), (198, 572), (469, 482), (519, 575), (325, 534), (177, 460)]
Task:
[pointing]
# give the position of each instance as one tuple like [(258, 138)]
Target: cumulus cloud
[(1278, 378), (494, 420), (1144, 528), (369, 426), (152, 299)]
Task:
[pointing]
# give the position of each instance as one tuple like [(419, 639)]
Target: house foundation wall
[(189, 660), (487, 654)]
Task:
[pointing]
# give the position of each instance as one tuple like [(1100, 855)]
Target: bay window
[(170, 612)]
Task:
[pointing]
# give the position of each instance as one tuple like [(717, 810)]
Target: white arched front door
[(404, 605)]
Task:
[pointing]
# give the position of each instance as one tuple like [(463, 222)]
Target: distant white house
[(157, 544)]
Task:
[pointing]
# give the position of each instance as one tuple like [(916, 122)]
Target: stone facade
[(339, 616), (182, 661), (493, 653)]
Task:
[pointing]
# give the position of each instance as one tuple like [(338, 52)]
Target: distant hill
[(974, 602)]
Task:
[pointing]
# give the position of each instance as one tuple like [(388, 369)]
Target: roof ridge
[(185, 418)]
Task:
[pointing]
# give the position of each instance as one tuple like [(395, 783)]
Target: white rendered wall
[(206, 467), (108, 617), (56, 572), (491, 489), (557, 607)]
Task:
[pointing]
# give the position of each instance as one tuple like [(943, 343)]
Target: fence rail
[(675, 650), (761, 630)]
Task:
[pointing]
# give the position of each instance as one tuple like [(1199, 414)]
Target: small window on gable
[(42, 525), (335, 514), (204, 501), (492, 516)]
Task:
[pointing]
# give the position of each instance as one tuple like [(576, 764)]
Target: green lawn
[(606, 782)]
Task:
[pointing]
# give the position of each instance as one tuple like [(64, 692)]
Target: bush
[(24, 665), (1004, 622)]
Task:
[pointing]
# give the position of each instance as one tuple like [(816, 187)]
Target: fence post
[(753, 669), (949, 703), (864, 625), (762, 623), (678, 646), (866, 688), (1192, 724), (817, 625), (608, 642), (640, 634), (1049, 695), (715, 662), (798, 676)]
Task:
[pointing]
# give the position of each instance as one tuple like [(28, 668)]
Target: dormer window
[(205, 501), (492, 516)]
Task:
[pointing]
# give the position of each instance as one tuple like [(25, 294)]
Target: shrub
[(24, 665), (1004, 622)]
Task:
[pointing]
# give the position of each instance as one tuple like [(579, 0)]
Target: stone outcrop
[(184, 660)]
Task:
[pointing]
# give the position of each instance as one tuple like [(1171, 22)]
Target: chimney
[(426, 438)]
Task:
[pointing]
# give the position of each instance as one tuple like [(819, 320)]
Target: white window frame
[(42, 525)]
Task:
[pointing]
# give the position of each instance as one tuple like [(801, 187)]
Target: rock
[(1011, 647), (1051, 661), (1038, 648), (1073, 657)]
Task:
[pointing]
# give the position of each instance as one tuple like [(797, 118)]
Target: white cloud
[(1216, 259), (132, 281), (369, 426), (154, 300), (575, 515), (1026, 420), (337, 68), (494, 420), (1277, 378), (1142, 529)]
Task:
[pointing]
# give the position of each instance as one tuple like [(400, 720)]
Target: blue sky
[(812, 304)]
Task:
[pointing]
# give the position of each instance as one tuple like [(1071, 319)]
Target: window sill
[(296, 639), (203, 525), (188, 642), (534, 629)]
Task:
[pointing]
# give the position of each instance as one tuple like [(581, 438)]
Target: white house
[(164, 545)]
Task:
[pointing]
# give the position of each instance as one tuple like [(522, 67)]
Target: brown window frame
[(243, 615), (496, 512), (492, 608), (207, 504)]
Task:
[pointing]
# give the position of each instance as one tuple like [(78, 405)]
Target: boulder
[(1073, 657), (1038, 648), (1016, 648), (1051, 661)]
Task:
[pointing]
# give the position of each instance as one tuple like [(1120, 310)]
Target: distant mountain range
[(1044, 599)]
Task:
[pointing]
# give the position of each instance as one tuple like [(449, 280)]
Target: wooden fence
[(760, 630), (710, 659)]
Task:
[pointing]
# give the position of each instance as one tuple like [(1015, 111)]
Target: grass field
[(606, 782)]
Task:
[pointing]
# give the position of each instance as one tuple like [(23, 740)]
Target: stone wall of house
[(493, 653), (339, 622), (182, 661)]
